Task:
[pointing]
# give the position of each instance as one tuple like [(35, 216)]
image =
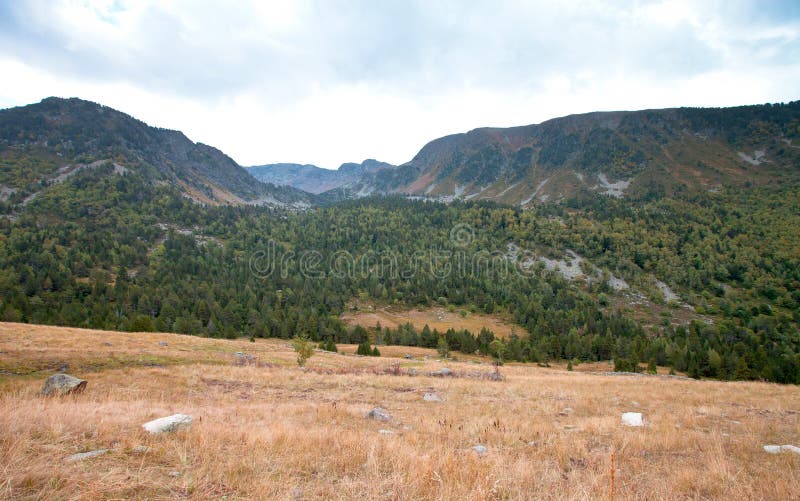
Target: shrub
[(304, 349)]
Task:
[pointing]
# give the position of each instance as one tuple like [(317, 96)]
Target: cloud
[(332, 81)]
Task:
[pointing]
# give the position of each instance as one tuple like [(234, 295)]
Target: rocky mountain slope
[(640, 154), (315, 179), (45, 143)]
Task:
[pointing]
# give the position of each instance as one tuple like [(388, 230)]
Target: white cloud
[(335, 81)]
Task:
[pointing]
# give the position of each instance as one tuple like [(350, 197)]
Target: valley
[(451, 250), (681, 253)]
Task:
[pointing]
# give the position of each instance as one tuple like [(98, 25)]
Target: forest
[(116, 251)]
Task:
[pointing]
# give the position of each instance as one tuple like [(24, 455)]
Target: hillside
[(46, 143), (272, 430), (639, 155), (704, 282), (315, 179)]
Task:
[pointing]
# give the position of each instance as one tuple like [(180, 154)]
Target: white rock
[(777, 449), (480, 449), (632, 419), (386, 432), (168, 424), (431, 397)]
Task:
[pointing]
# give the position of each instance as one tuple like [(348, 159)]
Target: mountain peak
[(80, 131)]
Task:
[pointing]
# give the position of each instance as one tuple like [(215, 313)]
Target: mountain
[(66, 136), (315, 179), (686, 256), (639, 155)]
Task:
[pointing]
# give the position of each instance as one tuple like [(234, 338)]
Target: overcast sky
[(335, 81)]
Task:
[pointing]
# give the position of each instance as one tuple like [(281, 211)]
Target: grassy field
[(275, 431), (437, 317)]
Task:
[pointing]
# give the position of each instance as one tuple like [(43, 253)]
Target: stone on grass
[(141, 449), (480, 449), (86, 455), (386, 432), (168, 424), (431, 397), (443, 372), (379, 414), (245, 359), (163, 343), (632, 419), (777, 449), (63, 384)]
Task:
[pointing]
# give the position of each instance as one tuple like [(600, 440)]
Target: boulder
[(480, 449), (168, 424), (379, 414), (632, 419), (443, 372), (63, 384), (431, 397)]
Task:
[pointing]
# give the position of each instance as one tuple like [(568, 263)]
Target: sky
[(330, 81)]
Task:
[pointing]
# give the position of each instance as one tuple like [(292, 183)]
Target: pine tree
[(442, 347), (742, 372)]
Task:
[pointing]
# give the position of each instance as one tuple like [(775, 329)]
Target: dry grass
[(275, 431), (368, 314)]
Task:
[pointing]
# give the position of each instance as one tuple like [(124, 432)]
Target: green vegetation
[(304, 348), (129, 251)]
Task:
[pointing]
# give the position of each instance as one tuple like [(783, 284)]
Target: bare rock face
[(168, 424), (63, 384)]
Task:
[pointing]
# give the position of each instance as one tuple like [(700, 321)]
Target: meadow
[(268, 429)]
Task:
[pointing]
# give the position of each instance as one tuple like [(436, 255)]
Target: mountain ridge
[(312, 178), (73, 132), (639, 154)]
